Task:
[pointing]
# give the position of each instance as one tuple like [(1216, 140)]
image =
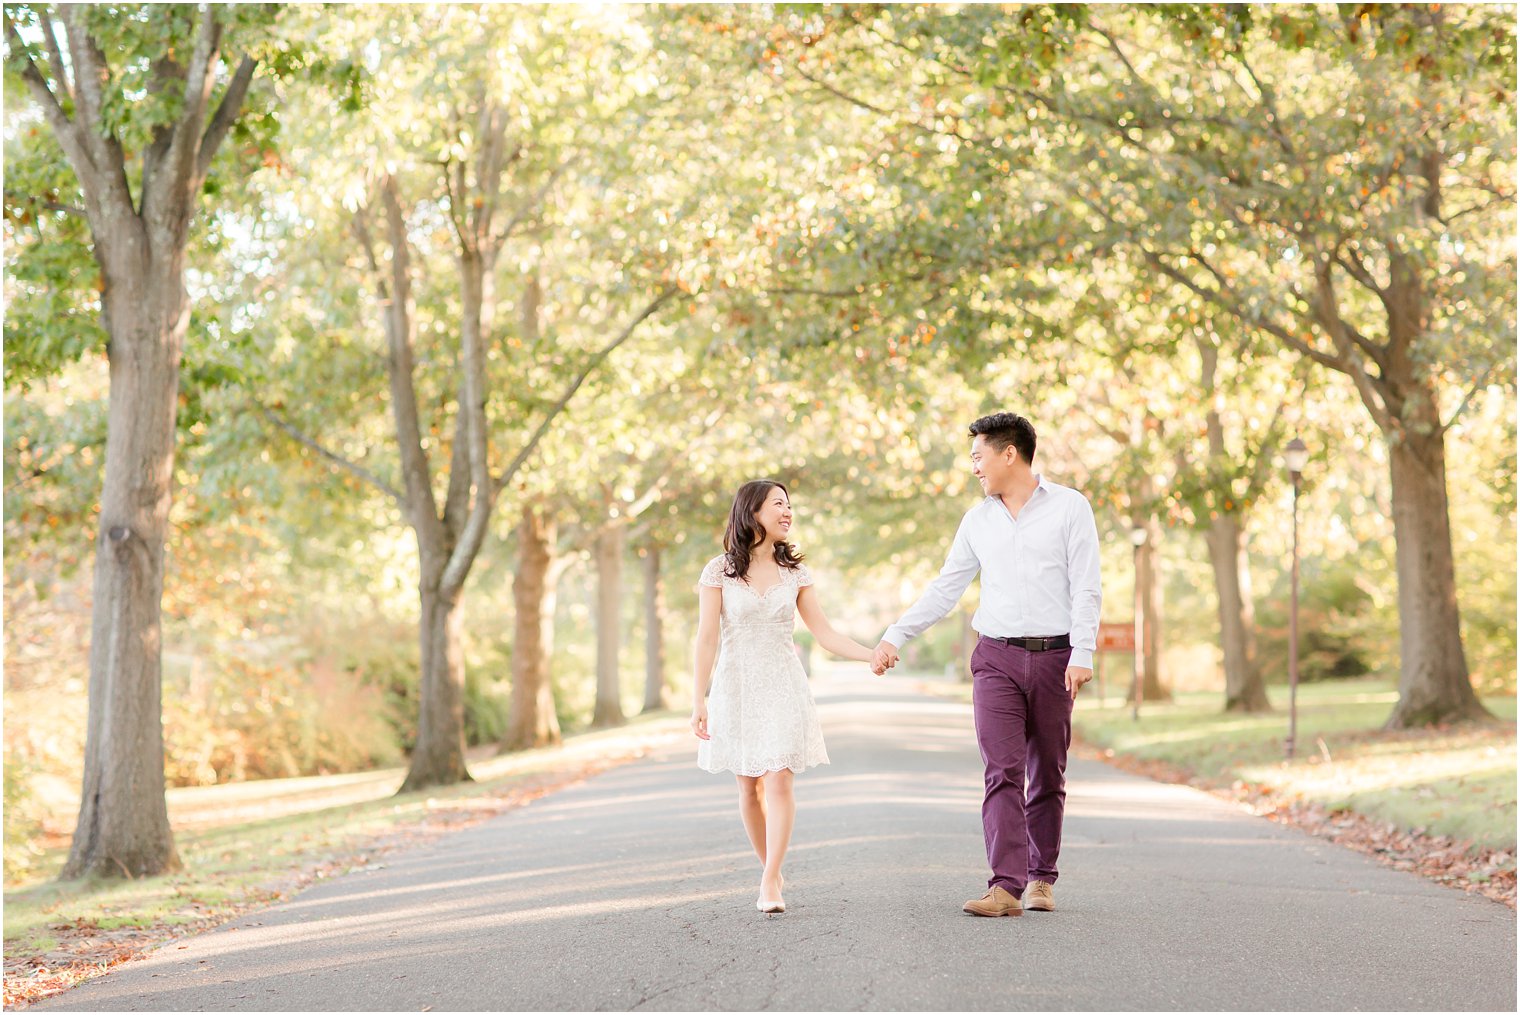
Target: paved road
[(636, 890)]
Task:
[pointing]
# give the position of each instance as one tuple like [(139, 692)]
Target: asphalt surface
[(636, 890)]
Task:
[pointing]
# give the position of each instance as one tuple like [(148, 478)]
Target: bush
[(23, 821), (488, 694), (384, 654), (1343, 630), (234, 718)]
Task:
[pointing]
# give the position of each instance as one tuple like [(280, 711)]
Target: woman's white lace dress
[(760, 713)]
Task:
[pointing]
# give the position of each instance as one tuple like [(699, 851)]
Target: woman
[(763, 725)]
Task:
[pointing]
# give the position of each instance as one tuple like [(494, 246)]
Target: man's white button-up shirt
[(1039, 572)]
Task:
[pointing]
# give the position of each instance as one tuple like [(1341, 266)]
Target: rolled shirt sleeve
[(961, 566), (1085, 579)]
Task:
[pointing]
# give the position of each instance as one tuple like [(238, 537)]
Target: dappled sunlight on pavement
[(636, 889)]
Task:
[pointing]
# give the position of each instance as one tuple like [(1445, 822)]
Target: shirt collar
[(1040, 485)]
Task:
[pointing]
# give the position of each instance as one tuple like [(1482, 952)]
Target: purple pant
[(1023, 727)]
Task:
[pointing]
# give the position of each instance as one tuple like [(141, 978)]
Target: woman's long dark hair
[(742, 533)]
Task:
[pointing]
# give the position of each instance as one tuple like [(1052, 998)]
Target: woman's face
[(774, 519)]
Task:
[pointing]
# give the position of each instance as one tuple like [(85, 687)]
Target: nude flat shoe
[(772, 906)]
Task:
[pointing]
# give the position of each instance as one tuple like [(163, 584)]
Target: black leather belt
[(1054, 641)]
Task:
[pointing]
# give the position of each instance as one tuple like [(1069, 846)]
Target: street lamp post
[(1137, 536), (1295, 456)]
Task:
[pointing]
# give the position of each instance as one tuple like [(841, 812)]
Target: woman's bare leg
[(752, 812), (780, 812)]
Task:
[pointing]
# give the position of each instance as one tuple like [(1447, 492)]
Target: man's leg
[(1000, 708), (1049, 727)]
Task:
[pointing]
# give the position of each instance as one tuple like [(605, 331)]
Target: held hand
[(884, 658), (1076, 676), (699, 720)]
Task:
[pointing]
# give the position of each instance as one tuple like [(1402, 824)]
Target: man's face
[(991, 466)]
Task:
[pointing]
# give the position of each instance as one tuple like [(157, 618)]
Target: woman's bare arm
[(710, 608), (830, 640)]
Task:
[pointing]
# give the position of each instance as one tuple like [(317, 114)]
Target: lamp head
[(1296, 456)]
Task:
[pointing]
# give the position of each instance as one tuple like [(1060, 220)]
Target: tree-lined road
[(636, 890)]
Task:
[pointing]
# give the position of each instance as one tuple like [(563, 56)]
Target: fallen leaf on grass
[(83, 951), (1441, 858)]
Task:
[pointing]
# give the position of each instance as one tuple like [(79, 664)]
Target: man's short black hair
[(1004, 428)]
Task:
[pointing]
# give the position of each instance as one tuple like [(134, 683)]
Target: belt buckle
[(1037, 644)]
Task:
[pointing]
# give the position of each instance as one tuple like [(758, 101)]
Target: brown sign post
[(1116, 637), (1112, 637)]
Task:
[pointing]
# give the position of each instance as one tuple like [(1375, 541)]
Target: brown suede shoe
[(997, 902), (1038, 896)]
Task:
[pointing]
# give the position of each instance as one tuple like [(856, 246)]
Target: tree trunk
[(1244, 688), (1155, 690), (1148, 602), (609, 613), (123, 826), (138, 240), (1434, 685), (438, 757), (447, 543), (654, 633), (533, 722)]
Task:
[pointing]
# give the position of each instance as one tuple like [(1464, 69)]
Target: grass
[(256, 843), (1457, 781)]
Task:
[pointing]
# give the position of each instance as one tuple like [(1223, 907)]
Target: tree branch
[(15, 199), (1327, 310), (1258, 479), (168, 77), (596, 360), (338, 460), (367, 244), (1352, 262), (493, 134), (471, 426), (454, 190), (67, 131), (456, 501), (1477, 385), (183, 154), (878, 110), (854, 292), (1273, 116), (1224, 298), (396, 310), (531, 204), (106, 155), (1229, 303), (1134, 75), (226, 114), (55, 53), (1503, 202)]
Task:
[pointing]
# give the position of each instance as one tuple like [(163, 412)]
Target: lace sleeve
[(804, 576), (712, 574)]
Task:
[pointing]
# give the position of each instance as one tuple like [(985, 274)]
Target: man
[(1036, 546)]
